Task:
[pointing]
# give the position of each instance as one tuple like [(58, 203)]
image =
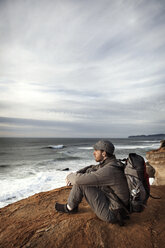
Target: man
[(104, 186)]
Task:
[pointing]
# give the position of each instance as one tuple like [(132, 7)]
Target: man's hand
[(68, 183)]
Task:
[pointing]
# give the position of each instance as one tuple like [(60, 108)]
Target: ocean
[(32, 165)]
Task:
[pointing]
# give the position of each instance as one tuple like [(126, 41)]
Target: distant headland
[(151, 136)]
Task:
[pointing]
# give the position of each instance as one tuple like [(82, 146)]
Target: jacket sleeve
[(83, 170), (95, 178)]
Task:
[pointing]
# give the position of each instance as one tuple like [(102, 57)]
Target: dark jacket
[(106, 175)]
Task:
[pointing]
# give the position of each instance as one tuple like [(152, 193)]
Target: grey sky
[(71, 68)]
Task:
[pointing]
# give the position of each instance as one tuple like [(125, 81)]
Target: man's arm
[(83, 170), (94, 178), (88, 169)]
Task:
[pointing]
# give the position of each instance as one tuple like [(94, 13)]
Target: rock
[(150, 170), (162, 144), (156, 159), (34, 223)]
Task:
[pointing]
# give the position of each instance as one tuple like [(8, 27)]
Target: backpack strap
[(155, 197), (131, 172)]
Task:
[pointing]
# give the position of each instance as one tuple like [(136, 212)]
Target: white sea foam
[(17, 189), (85, 148), (144, 146), (151, 180), (147, 141), (32, 180), (56, 146)]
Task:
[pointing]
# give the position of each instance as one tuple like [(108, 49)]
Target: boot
[(63, 208)]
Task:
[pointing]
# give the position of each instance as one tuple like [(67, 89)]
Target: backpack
[(138, 181)]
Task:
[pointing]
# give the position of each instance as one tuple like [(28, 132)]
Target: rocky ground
[(33, 222), (156, 159)]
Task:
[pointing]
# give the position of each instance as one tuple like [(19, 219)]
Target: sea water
[(32, 165)]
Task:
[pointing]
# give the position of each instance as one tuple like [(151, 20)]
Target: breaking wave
[(55, 146)]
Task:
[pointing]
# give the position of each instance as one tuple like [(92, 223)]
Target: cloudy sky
[(82, 68)]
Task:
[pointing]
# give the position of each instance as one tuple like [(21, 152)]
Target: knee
[(83, 188)]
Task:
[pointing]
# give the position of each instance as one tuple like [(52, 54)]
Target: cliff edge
[(33, 222), (156, 159)]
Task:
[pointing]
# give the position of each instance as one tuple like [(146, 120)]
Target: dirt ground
[(33, 222)]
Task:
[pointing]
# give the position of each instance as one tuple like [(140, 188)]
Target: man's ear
[(104, 154)]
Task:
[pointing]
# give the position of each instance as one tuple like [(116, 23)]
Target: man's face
[(98, 155)]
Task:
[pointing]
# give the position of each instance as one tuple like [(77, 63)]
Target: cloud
[(92, 64)]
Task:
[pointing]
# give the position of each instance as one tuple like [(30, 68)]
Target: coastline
[(30, 166)]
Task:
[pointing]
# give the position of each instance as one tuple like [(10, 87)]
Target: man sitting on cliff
[(98, 183)]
